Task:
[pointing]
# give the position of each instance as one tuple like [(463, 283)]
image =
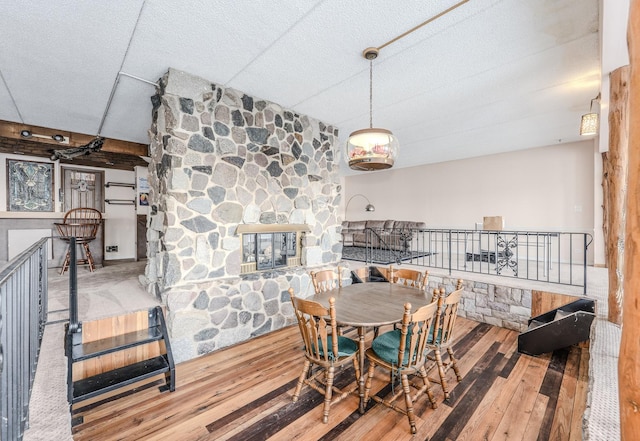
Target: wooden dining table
[(367, 305)]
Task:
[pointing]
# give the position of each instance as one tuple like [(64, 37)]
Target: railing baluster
[(23, 312), (502, 252)]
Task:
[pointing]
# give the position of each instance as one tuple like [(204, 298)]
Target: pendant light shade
[(590, 121), (372, 148), (589, 124)]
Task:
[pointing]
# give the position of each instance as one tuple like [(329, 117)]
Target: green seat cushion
[(387, 345), (437, 340), (346, 347)]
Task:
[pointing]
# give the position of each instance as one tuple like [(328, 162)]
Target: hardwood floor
[(244, 393)]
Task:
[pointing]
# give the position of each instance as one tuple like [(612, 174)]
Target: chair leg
[(427, 385), (356, 366), (441, 373), (67, 260), (327, 395), (367, 385), (409, 402), (303, 374), (452, 360), (87, 253)]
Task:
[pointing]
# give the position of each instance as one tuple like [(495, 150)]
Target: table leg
[(361, 380)]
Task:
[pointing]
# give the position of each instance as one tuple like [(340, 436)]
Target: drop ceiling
[(491, 76)]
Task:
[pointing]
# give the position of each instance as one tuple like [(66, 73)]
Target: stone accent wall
[(220, 158), (496, 305)]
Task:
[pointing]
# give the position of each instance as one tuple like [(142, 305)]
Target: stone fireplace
[(226, 165)]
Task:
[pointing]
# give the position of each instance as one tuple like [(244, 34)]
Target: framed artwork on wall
[(29, 186)]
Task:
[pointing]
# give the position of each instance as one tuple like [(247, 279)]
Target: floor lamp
[(369, 206)]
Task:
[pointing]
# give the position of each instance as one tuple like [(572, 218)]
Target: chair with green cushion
[(318, 327), (403, 352), (442, 337)]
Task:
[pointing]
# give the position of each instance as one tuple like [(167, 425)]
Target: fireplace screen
[(262, 250), (268, 250)]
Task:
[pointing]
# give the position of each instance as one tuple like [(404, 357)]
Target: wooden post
[(629, 359), (614, 180)]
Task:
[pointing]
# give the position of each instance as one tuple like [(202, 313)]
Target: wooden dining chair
[(360, 275), (318, 327), (81, 223), (326, 280), (436, 292), (403, 352), (443, 335), (409, 277)]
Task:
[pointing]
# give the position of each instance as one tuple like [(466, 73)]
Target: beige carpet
[(111, 290)]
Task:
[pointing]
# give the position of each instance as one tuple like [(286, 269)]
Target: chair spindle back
[(326, 280), (414, 333)]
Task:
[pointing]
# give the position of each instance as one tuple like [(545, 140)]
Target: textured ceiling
[(489, 77)]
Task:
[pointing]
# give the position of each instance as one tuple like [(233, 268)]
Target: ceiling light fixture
[(376, 148), (57, 138), (25, 133), (590, 121), (372, 148)]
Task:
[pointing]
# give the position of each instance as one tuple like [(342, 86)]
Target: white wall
[(544, 189), (120, 223), (120, 220)]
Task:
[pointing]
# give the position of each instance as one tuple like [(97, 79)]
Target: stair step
[(112, 344), (535, 323), (560, 314), (98, 384)]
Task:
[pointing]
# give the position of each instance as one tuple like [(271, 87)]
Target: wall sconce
[(589, 122), (369, 207)]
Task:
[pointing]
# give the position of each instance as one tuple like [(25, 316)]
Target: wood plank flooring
[(244, 393)]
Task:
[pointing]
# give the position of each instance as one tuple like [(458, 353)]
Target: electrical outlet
[(112, 248)]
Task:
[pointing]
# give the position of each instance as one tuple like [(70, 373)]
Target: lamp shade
[(372, 149), (589, 124)]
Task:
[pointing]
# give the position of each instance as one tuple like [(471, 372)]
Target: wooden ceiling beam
[(12, 130)]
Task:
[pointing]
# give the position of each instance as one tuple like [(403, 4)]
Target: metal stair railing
[(556, 257), (23, 315)]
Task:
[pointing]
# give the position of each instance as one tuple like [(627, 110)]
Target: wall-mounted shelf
[(120, 184), (120, 201)]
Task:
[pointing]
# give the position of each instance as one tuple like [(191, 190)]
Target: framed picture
[(29, 186)]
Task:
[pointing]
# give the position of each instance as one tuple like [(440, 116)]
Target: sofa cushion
[(409, 225), (389, 224), (376, 224)]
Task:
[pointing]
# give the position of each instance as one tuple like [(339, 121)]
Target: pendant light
[(372, 148), (589, 122), (376, 148)]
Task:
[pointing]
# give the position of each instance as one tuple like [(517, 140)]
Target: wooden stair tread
[(116, 343), (98, 384)]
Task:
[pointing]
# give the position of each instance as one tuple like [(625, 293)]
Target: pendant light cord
[(370, 93)]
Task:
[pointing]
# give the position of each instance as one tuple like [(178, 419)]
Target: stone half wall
[(220, 158), (496, 305)]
